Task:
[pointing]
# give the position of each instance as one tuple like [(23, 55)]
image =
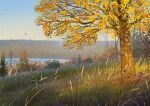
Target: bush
[(53, 64)]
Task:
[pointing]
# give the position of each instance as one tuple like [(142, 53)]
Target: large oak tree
[(81, 21)]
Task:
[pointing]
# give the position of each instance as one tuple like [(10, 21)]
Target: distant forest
[(50, 49)]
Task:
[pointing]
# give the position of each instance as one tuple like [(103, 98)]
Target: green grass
[(96, 85)]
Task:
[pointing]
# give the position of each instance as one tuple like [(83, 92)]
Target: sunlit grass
[(85, 86)]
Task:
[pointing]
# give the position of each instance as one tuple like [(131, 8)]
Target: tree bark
[(126, 52)]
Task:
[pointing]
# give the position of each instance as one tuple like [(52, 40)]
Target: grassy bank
[(96, 85)]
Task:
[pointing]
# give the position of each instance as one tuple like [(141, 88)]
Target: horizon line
[(41, 40)]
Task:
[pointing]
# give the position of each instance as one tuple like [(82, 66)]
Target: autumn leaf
[(38, 9), (97, 1), (62, 29), (91, 18), (125, 2), (46, 29), (63, 13), (77, 2)]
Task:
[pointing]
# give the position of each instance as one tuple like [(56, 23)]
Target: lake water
[(42, 60)]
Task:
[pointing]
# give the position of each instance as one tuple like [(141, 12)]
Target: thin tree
[(81, 21), (116, 47), (79, 60), (11, 58), (141, 44), (23, 65), (3, 65)]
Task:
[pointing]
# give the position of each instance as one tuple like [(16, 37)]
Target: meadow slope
[(96, 85)]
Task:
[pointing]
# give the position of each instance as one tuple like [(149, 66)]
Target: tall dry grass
[(97, 85)]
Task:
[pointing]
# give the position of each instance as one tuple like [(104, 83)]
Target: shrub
[(53, 64)]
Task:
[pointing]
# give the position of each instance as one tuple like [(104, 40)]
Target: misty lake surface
[(42, 60)]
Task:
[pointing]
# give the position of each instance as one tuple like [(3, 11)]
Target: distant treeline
[(49, 49)]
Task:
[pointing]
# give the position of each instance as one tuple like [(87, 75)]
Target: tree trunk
[(116, 47), (126, 52)]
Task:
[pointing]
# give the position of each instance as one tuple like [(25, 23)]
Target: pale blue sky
[(17, 20)]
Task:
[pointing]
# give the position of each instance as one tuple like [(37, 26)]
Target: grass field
[(96, 85)]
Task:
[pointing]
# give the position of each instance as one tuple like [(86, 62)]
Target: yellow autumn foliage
[(46, 29), (80, 21), (89, 17), (62, 29), (53, 16), (97, 1), (63, 13), (125, 2)]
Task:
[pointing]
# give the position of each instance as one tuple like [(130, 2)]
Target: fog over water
[(42, 60)]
